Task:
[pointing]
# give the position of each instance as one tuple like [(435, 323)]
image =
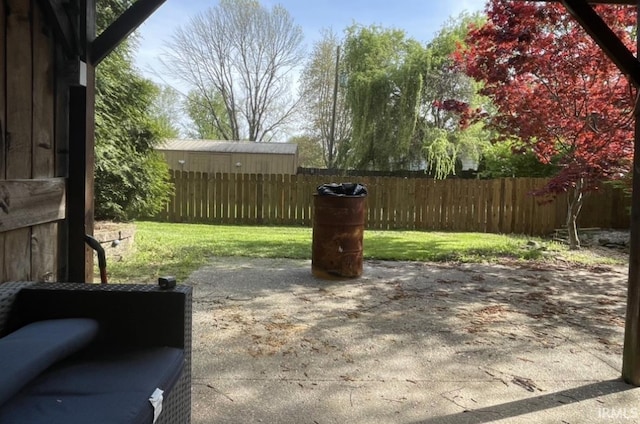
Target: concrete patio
[(409, 343)]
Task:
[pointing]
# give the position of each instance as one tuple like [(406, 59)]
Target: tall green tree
[(166, 108), (310, 154), (385, 81), (447, 93), (131, 180), (510, 159), (323, 93), (206, 112)]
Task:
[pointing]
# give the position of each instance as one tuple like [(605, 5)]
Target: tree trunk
[(574, 205)]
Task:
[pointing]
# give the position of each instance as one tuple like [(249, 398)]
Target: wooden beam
[(605, 38), (58, 18), (631, 351), (81, 159), (126, 23), (81, 184), (76, 193), (24, 203), (3, 116)]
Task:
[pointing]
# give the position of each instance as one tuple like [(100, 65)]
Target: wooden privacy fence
[(494, 206)]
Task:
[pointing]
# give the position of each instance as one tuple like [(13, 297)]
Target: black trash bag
[(344, 189)]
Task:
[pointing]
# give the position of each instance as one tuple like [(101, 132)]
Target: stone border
[(117, 238)]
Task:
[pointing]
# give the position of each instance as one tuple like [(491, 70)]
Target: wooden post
[(631, 353), (81, 158), (80, 186), (3, 119)]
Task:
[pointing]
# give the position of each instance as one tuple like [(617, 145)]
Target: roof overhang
[(126, 23), (64, 17)]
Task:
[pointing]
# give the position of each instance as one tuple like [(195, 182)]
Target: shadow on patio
[(407, 342)]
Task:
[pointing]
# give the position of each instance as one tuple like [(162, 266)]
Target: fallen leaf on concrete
[(525, 383)]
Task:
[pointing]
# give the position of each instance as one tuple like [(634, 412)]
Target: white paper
[(156, 402)]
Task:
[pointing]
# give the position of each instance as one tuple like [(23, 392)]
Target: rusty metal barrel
[(338, 231)]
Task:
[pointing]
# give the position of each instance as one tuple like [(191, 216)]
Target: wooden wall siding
[(494, 206), (3, 146), (44, 237), (26, 203), (35, 198), (61, 157), (19, 68)]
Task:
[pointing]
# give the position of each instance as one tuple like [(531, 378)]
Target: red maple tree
[(557, 91)]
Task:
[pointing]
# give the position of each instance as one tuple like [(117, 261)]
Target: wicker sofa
[(124, 342)]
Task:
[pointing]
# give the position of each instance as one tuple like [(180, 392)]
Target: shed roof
[(229, 146)]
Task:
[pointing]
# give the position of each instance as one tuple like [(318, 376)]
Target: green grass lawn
[(179, 249)]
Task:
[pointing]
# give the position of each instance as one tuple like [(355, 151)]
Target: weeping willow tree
[(383, 94), (443, 148), (409, 102), (446, 95)]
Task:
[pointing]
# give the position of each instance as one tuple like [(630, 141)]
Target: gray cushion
[(99, 387), (30, 350)]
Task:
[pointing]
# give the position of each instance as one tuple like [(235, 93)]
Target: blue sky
[(421, 19)]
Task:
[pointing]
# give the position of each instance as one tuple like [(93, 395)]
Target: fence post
[(259, 199)]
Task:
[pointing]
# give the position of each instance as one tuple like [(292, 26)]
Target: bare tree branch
[(240, 53)]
